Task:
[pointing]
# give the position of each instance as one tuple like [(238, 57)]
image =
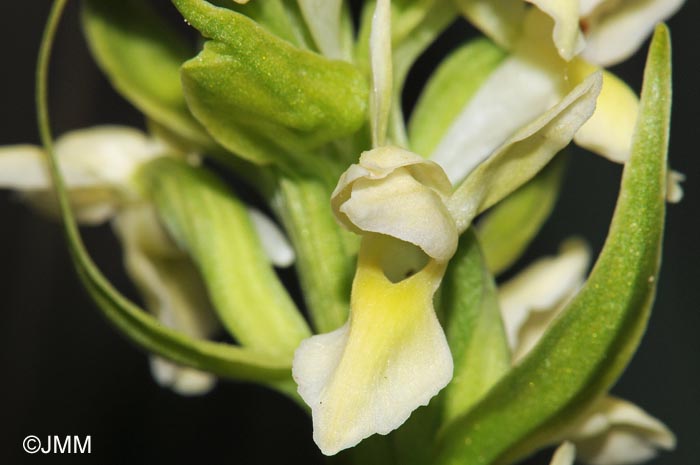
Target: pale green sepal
[(447, 92), (474, 328), (208, 221), (141, 55), (525, 154), (221, 359), (589, 345), (499, 19), (323, 17), (263, 98), (509, 227)]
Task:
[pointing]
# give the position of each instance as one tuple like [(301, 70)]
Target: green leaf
[(263, 98), (589, 345), (473, 327), (141, 328), (141, 55), (511, 224), (208, 221), (449, 89)]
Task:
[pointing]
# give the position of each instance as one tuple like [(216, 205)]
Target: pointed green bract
[(474, 328), (141, 55), (261, 97), (138, 326), (587, 348), (450, 87), (508, 228), (207, 220)]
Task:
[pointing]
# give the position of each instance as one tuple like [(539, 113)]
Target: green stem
[(325, 253)]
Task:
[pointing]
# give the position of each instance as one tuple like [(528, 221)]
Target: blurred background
[(66, 371)]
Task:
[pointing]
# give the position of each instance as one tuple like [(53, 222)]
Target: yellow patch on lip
[(389, 359)]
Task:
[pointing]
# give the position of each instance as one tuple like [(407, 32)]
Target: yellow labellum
[(389, 358)]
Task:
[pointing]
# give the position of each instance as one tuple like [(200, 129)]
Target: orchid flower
[(612, 431), (392, 356), (98, 166), (549, 56)]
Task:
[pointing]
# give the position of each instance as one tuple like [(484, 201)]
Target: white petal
[(103, 155), (566, 35), (609, 131), (380, 60), (541, 287), (524, 154), (22, 167), (617, 432), (564, 455), (389, 359), (398, 193), (618, 31), (273, 240), (674, 190), (514, 94), (182, 380)]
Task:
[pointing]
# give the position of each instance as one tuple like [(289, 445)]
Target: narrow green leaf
[(474, 328), (449, 89), (141, 328), (141, 55), (589, 345), (263, 98), (511, 224), (208, 221)]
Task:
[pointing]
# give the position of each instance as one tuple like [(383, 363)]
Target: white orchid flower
[(612, 431), (617, 432), (392, 356), (97, 165), (549, 56)]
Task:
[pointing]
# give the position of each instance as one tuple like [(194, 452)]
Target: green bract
[(208, 221), (141, 55), (261, 97)]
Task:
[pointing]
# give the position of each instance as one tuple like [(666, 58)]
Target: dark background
[(65, 371)]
